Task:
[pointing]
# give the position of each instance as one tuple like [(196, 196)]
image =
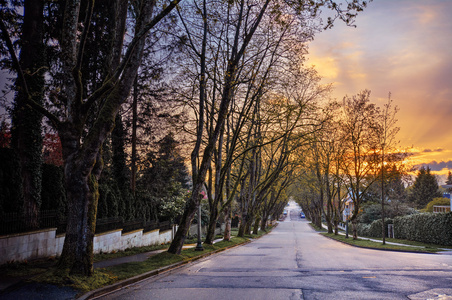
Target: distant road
[(295, 262)]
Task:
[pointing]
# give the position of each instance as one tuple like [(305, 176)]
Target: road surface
[(295, 262)]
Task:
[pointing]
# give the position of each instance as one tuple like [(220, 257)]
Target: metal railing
[(13, 223)]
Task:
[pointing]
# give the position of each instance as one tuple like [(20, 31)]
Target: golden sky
[(403, 47)]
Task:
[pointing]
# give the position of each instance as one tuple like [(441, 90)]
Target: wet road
[(294, 262)]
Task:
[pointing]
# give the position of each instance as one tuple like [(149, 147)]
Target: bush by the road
[(433, 228), (374, 229)]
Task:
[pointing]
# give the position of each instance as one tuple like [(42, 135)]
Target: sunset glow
[(402, 47)]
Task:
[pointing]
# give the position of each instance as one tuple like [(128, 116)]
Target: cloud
[(436, 166), (399, 47), (430, 150)]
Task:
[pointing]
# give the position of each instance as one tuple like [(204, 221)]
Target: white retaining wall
[(45, 243)]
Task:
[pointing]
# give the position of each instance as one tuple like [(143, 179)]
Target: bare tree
[(387, 131), (361, 141)]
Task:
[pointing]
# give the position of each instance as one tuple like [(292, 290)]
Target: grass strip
[(414, 243), (128, 252), (316, 228), (110, 275), (363, 243), (45, 271)]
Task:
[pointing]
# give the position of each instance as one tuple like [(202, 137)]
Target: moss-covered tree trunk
[(264, 221), (81, 176)]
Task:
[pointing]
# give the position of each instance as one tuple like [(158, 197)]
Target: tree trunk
[(248, 223), (228, 221), (82, 195), (184, 226), (242, 226), (134, 137), (264, 222), (256, 225), (210, 235), (383, 229), (355, 229)]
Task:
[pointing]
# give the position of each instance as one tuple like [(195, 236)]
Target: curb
[(120, 284)]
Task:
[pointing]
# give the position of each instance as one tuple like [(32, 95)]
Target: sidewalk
[(10, 282), (446, 251)]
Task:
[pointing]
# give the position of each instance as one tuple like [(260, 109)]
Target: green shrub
[(436, 201), (363, 229), (432, 228), (374, 229)]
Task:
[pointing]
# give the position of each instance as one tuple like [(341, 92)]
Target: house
[(348, 208), (441, 208), (444, 208)]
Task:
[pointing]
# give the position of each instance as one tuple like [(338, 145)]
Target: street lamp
[(347, 216), (199, 246)]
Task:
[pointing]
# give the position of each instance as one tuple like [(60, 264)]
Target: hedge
[(53, 193), (373, 229), (432, 228), (11, 197)]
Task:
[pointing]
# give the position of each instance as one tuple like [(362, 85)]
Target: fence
[(11, 223)]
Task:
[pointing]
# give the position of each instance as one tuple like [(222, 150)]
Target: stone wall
[(27, 246), (46, 244)]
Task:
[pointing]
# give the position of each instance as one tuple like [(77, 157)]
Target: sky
[(402, 47)]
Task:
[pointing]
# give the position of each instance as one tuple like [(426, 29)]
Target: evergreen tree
[(449, 178), (425, 188), (449, 181), (26, 129), (395, 188), (120, 170), (164, 181)]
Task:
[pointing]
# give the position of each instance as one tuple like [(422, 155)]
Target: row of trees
[(356, 152), (356, 158), (226, 77)]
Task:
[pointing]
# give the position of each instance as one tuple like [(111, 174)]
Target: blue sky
[(403, 47)]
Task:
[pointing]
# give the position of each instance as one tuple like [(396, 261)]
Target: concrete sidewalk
[(445, 251), (9, 282)]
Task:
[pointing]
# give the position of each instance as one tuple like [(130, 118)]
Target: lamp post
[(347, 214), (199, 246)]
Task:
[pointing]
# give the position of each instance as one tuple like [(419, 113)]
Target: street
[(295, 262)]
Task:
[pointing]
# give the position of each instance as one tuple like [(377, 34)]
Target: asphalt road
[(294, 262)]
